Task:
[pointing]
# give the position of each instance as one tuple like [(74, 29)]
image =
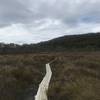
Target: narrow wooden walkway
[(43, 86)]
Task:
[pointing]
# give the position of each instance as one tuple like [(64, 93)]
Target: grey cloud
[(12, 12), (69, 12)]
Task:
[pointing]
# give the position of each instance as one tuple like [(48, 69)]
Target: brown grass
[(76, 76)]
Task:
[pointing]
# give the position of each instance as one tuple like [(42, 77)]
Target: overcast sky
[(32, 21)]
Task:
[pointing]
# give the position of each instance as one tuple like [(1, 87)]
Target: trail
[(43, 86)]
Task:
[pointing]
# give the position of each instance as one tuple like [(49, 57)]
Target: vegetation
[(76, 71), (84, 42), (76, 76)]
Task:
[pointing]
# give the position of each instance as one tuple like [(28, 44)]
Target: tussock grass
[(76, 76)]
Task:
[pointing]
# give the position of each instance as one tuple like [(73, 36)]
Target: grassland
[(76, 75)]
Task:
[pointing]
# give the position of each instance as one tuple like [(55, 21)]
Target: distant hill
[(87, 42), (90, 41)]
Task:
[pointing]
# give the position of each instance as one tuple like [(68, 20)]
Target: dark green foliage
[(84, 42)]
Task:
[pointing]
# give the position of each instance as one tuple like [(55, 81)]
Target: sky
[(32, 21)]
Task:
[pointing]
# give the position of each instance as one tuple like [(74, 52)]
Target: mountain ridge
[(89, 41)]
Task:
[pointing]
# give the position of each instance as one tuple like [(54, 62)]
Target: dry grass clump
[(76, 76)]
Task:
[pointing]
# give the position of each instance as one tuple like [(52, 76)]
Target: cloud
[(31, 21), (73, 11), (12, 12), (18, 33)]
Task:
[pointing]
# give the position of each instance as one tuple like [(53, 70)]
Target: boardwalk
[(43, 87)]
